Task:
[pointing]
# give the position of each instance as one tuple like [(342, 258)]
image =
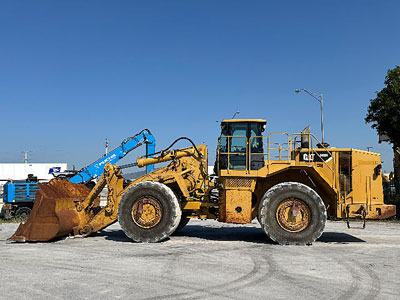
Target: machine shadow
[(339, 238), (243, 234)]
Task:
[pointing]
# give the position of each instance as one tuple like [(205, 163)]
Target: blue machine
[(96, 169), (17, 192), (19, 195)]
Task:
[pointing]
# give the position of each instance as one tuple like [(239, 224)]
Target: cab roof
[(244, 120)]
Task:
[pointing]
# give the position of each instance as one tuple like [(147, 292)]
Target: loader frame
[(296, 176)]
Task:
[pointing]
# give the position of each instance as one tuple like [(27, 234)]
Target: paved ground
[(207, 260)]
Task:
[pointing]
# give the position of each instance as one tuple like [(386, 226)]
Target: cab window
[(238, 140)]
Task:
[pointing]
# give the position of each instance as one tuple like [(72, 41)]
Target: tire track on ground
[(376, 283), (361, 275), (354, 287), (282, 275), (259, 272)]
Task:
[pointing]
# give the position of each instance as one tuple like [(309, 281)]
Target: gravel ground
[(206, 260)]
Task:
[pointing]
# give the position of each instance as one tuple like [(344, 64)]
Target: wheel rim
[(23, 215), (293, 215), (146, 212)]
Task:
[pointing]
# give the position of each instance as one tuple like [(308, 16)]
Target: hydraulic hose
[(174, 142)]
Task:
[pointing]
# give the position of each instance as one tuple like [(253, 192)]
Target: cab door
[(238, 146)]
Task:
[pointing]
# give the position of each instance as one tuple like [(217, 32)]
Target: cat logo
[(317, 156)]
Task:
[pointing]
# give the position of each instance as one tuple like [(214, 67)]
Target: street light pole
[(319, 98), (236, 113), (322, 118)]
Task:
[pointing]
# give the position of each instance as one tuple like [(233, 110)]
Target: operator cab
[(240, 146)]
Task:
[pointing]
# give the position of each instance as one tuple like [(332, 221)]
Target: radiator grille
[(239, 182)]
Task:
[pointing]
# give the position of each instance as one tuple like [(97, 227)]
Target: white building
[(20, 171)]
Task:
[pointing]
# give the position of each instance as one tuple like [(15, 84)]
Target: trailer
[(18, 197)]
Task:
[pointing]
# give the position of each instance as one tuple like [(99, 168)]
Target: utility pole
[(26, 156), (106, 146)]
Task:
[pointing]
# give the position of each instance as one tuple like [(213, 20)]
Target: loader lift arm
[(64, 208), (112, 177)]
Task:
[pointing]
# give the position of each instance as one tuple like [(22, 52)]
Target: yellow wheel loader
[(290, 182)]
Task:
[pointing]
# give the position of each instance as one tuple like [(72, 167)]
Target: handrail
[(289, 147), (270, 149)]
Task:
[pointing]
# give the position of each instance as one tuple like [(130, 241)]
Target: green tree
[(384, 110), (384, 114)]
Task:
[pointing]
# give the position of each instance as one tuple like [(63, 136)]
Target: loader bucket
[(54, 212)]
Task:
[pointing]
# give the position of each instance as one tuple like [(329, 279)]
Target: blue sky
[(75, 72)]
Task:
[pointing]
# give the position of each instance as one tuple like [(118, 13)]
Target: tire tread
[(175, 212), (268, 198)]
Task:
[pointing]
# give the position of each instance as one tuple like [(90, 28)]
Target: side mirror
[(377, 170)]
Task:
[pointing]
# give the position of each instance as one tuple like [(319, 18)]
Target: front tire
[(292, 213), (149, 212), (184, 221)]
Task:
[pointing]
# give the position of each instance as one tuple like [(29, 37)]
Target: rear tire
[(259, 218), (23, 213), (149, 212), (285, 226)]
